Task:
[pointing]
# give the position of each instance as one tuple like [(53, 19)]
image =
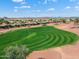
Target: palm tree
[(17, 52)]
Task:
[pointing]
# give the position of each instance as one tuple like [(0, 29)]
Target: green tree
[(50, 19), (17, 52)]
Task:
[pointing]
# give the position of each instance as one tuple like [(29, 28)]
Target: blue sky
[(39, 8)]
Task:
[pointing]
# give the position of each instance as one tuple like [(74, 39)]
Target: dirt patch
[(45, 55)]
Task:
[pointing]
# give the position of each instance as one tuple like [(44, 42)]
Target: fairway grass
[(38, 38)]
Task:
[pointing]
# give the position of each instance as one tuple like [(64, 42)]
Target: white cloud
[(18, 1), (16, 7), (22, 7), (67, 7), (25, 7), (76, 7), (51, 9), (46, 1)]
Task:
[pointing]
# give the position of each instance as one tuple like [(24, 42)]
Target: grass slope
[(37, 38)]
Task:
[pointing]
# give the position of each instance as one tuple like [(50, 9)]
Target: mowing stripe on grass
[(37, 38)]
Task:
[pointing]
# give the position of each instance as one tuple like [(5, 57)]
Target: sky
[(39, 8)]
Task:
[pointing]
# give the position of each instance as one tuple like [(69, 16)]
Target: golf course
[(38, 38)]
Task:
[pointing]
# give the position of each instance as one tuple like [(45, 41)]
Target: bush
[(16, 52)]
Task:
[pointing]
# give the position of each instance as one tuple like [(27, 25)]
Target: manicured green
[(39, 38)]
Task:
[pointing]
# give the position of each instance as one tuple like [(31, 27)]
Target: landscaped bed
[(38, 38)]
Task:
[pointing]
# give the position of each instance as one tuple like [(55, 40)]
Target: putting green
[(37, 38)]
